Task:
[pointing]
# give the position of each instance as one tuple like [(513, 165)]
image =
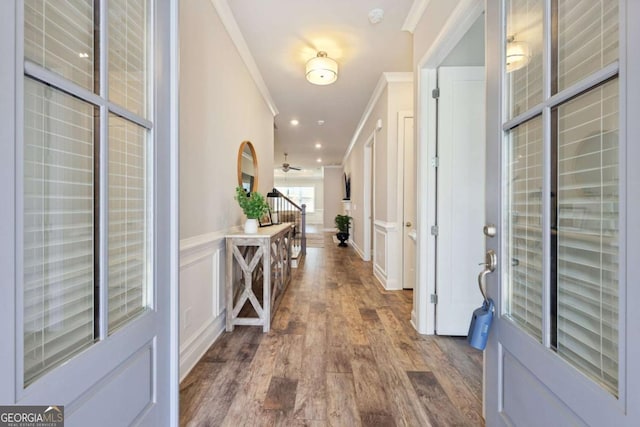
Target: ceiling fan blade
[(295, 168)]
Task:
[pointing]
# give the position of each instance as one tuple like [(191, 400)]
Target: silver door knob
[(490, 230), (408, 224)]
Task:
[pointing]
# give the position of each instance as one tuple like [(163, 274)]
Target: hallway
[(341, 352)]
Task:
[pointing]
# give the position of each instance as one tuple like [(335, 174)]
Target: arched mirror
[(247, 167)]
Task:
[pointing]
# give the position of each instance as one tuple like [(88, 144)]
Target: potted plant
[(342, 224), (254, 206)]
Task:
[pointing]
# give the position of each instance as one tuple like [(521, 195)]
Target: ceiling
[(282, 35)]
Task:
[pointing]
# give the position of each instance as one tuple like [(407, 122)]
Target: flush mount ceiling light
[(322, 70), (518, 54)]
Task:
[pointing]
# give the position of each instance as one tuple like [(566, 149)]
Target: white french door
[(89, 222), (560, 176)]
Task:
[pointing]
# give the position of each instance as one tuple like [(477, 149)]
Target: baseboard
[(357, 249), (378, 274), (193, 350)]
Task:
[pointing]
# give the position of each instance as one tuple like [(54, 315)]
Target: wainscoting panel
[(201, 296), (385, 257)]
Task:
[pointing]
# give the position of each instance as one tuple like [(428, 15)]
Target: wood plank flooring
[(341, 352)]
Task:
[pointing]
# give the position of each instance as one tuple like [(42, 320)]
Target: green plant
[(253, 205), (342, 223)]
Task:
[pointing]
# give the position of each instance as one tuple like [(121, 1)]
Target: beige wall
[(396, 97), (333, 194), (220, 106)]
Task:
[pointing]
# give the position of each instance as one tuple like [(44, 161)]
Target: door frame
[(369, 196), (166, 208), (403, 114), (460, 21)]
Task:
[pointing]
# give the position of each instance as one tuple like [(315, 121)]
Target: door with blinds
[(558, 174), (93, 240)]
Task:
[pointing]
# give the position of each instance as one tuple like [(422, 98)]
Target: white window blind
[(525, 226), (525, 25), (587, 249), (128, 230), (128, 54), (58, 227), (581, 208), (59, 35), (63, 192), (587, 38)]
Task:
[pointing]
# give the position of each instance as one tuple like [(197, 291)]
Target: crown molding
[(383, 81), (231, 25), (415, 14)]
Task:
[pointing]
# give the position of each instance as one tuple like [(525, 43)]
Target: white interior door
[(460, 196), (88, 302), (562, 181), (409, 234)]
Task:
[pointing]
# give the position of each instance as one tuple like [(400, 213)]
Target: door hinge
[(434, 299), (435, 94), (435, 162), (434, 230)]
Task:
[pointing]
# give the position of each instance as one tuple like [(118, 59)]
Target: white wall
[(470, 50), (333, 194), (220, 106), (395, 95)]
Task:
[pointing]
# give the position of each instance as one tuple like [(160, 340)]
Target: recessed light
[(318, 145), (83, 55), (319, 160), (320, 122), (294, 122)]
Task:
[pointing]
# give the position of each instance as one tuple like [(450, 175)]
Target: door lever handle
[(490, 263), (408, 224)]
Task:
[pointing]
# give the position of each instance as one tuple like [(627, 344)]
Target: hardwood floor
[(341, 352)]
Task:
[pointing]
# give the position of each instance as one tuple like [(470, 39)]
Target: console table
[(254, 261)]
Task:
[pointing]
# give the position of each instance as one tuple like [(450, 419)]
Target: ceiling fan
[(286, 167)]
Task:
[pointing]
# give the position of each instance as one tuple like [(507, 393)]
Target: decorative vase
[(343, 237), (251, 226)]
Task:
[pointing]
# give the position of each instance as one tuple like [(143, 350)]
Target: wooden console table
[(253, 261)]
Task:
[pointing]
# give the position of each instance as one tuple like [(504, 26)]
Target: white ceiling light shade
[(322, 70), (518, 54)]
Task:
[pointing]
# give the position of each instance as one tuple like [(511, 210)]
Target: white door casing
[(368, 197), (460, 196), (407, 198), (527, 382)]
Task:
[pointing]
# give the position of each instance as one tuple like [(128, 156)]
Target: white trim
[(386, 269), (10, 74), (415, 14), (230, 23), (383, 81), (198, 344), (205, 248), (174, 219), (457, 25), (356, 248), (405, 114), (459, 22), (369, 195), (387, 226)]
